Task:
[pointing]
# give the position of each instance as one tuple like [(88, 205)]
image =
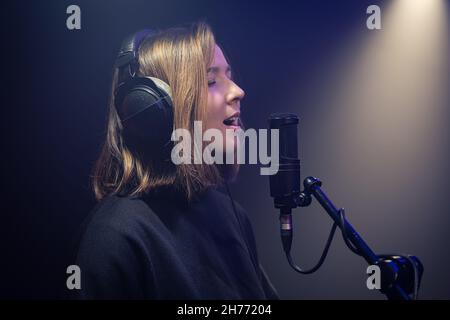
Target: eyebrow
[(217, 69)]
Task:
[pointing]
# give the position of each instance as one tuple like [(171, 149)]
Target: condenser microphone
[(285, 184)]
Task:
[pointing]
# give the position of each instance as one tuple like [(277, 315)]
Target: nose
[(235, 93)]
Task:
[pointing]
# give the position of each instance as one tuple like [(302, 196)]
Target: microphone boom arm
[(395, 271)]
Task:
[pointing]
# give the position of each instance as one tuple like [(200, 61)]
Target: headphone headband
[(130, 46), (127, 58)]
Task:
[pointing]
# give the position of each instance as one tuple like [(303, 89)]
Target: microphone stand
[(400, 275)]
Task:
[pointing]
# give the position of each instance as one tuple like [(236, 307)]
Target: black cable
[(322, 257), (344, 232)]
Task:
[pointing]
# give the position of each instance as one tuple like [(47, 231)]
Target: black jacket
[(162, 248)]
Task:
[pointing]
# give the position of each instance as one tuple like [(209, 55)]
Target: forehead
[(219, 58)]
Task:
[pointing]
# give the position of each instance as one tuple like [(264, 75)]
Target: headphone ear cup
[(146, 113)]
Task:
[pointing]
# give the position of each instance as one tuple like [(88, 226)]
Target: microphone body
[(285, 184)]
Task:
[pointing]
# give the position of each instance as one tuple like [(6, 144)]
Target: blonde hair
[(180, 57)]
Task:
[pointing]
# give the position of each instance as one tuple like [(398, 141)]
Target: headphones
[(144, 104)]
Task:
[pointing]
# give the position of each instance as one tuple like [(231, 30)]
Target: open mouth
[(233, 121)]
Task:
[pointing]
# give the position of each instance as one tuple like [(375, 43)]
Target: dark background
[(390, 175)]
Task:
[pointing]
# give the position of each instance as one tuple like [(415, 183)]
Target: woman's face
[(224, 96)]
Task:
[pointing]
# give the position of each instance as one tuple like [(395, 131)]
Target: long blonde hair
[(180, 57)]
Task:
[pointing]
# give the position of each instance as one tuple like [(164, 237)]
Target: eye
[(211, 83)]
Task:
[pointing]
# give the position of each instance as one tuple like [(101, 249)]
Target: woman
[(160, 230)]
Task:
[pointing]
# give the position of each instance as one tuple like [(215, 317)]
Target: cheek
[(215, 111)]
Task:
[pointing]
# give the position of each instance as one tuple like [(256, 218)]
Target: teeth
[(232, 121)]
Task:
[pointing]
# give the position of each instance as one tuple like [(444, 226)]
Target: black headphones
[(148, 97)]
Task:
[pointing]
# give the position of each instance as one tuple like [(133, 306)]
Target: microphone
[(285, 184)]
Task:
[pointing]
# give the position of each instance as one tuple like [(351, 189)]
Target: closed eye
[(216, 70)]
